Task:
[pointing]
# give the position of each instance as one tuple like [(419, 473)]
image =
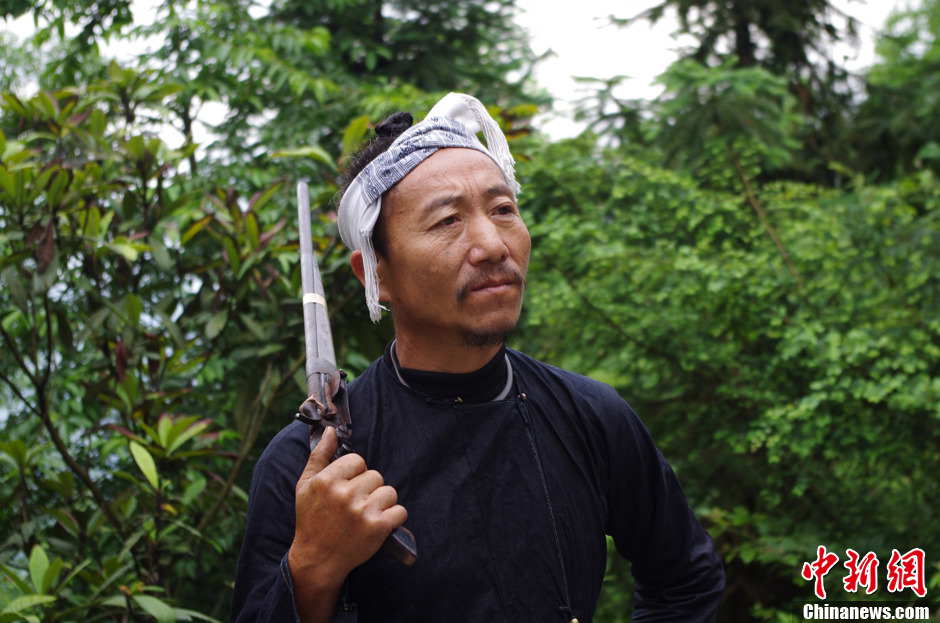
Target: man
[(508, 471)]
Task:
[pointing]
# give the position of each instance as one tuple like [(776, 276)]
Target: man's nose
[(486, 242)]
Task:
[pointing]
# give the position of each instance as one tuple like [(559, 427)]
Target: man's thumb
[(323, 452)]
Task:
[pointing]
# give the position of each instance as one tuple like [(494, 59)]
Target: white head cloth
[(453, 122)]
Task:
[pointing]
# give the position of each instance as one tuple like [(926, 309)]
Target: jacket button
[(573, 621)]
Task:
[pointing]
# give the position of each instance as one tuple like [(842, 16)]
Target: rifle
[(327, 403)]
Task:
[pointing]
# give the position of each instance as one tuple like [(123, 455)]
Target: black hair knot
[(394, 125)]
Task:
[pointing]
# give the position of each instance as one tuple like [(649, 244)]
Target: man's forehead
[(447, 170)]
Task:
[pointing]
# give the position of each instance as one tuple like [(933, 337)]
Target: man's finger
[(395, 516), (367, 481), (383, 498), (322, 453), (347, 467)]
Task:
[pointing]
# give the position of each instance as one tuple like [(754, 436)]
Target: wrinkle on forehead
[(497, 190), (445, 173)]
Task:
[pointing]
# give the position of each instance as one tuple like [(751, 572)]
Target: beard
[(475, 339), (496, 335)]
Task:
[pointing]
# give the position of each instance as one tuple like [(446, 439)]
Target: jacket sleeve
[(678, 574), (264, 591)]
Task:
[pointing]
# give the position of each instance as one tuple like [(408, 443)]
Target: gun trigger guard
[(305, 419)]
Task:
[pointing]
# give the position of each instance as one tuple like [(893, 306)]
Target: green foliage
[(713, 120), (898, 129), (789, 414), (110, 303), (780, 338), (150, 320), (791, 40)]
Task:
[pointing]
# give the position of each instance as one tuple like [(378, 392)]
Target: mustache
[(501, 273)]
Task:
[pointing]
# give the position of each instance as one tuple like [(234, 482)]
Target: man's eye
[(444, 222), (506, 209)]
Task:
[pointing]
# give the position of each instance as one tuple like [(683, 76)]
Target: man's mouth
[(495, 284), (492, 284)]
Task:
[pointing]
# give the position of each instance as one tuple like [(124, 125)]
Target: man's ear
[(355, 260)]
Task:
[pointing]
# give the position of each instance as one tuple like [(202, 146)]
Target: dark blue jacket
[(509, 502)]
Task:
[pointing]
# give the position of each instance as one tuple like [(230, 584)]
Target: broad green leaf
[(193, 490), (195, 228), (164, 426), (186, 435), (310, 151), (156, 608), (57, 187), (104, 223), (7, 183), (74, 572), (51, 576), (24, 602), (67, 522), (133, 307), (231, 251), (354, 133), (260, 199), (125, 249), (136, 147), (182, 614), (256, 329), (160, 253), (38, 564), (16, 288), (145, 462), (151, 433), (15, 104), (115, 601), (16, 450), (172, 327), (251, 227), (47, 104), (14, 577), (523, 110), (216, 324), (130, 542), (269, 349)]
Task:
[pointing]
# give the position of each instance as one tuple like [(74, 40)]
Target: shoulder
[(565, 386), (285, 455), (572, 399), (364, 389)]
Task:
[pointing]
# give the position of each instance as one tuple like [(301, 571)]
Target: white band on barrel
[(313, 297)]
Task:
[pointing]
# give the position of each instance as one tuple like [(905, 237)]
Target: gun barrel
[(317, 335)]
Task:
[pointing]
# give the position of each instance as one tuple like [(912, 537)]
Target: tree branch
[(762, 215), (43, 412), (77, 469), (610, 321), (48, 373), (16, 391), (16, 355), (247, 444)]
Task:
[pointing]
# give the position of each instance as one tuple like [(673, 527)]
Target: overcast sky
[(585, 44)]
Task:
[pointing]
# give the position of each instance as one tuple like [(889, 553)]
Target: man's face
[(457, 250)]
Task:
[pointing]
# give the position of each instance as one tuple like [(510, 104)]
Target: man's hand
[(344, 513)]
